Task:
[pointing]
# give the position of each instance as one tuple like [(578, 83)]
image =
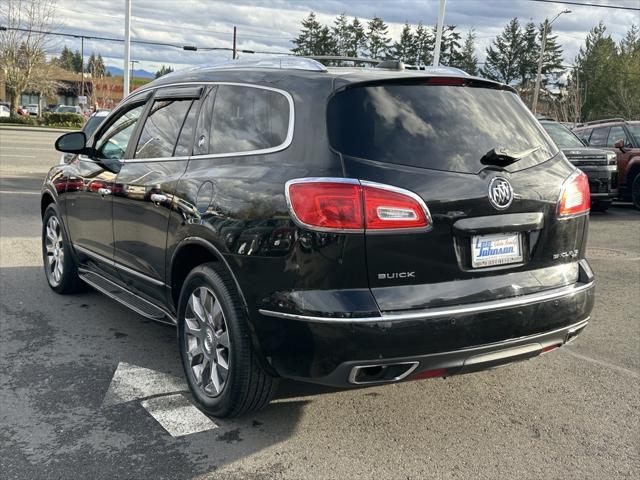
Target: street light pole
[(436, 51), (127, 48), (536, 91)]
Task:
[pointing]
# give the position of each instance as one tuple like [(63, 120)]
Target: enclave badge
[(500, 193)]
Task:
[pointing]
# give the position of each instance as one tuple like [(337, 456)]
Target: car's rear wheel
[(635, 191), (222, 370), (59, 266)]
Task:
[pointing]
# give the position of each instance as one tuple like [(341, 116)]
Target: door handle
[(158, 198), (104, 192)]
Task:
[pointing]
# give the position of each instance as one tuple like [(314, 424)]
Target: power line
[(562, 2), (142, 42)]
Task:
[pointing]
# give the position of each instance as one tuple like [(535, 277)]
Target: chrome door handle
[(158, 198), (104, 192)]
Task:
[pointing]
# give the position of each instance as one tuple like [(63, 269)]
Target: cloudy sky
[(270, 25)]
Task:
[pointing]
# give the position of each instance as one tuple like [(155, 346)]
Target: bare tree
[(22, 46)]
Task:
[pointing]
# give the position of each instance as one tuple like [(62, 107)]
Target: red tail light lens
[(387, 208), (575, 197), (327, 205), (351, 205)]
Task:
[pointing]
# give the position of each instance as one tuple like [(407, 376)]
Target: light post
[(536, 91)]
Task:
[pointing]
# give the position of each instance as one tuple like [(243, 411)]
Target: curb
[(36, 129)]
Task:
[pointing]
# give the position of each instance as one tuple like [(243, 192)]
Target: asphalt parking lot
[(89, 389)]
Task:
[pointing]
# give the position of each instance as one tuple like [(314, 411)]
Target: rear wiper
[(502, 157)]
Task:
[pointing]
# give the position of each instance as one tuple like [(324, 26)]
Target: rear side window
[(244, 119), (185, 140), (442, 127), (161, 128), (599, 137)]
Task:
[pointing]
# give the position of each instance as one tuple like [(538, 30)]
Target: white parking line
[(131, 382), (15, 192), (177, 415)]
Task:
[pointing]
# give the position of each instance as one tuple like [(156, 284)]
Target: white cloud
[(270, 25)]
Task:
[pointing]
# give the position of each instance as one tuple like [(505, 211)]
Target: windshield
[(442, 127), (67, 109), (92, 123), (634, 128), (562, 136)]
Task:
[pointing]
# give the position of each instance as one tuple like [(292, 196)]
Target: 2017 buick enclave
[(344, 226)]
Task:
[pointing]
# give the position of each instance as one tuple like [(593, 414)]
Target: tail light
[(575, 198), (350, 205)]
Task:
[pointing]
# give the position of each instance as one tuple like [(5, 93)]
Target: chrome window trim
[(465, 309), (287, 141), (119, 266)]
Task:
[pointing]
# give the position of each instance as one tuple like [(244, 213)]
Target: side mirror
[(74, 142), (619, 144)]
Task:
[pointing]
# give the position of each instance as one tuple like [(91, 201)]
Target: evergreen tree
[(95, 66), (326, 43), (402, 50), (504, 53), (421, 51), (552, 58), (468, 60), (450, 47), (341, 35), (377, 39), (77, 62), (307, 42), (528, 63), (357, 38), (163, 71)]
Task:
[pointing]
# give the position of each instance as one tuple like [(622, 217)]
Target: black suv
[(344, 226), (600, 165)]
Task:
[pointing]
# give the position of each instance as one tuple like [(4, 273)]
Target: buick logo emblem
[(500, 193)]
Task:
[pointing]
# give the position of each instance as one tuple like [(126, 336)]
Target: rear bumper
[(326, 349)]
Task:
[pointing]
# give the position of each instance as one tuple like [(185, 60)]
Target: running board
[(125, 297)]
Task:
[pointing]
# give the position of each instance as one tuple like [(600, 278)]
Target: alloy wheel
[(207, 342), (54, 251)]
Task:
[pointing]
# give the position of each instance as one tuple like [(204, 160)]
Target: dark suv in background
[(599, 165), (343, 226), (623, 138)]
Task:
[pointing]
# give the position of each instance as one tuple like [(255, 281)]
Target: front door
[(145, 189), (90, 187)]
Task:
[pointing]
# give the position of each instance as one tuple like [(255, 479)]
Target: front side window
[(112, 144), (634, 128), (599, 137), (246, 119), (161, 128), (616, 133)]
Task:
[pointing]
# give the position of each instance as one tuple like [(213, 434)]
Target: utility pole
[(82, 66), (234, 43), (127, 48), (436, 52), (536, 91)]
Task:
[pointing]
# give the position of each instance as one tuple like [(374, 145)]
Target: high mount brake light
[(575, 197), (349, 205), (446, 81)]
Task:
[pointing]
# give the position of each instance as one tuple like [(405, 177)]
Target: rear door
[(433, 139), (145, 188)]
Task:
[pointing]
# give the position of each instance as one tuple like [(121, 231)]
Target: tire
[(60, 267), (635, 191), (221, 368), (600, 206)]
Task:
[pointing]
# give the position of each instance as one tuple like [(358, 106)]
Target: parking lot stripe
[(177, 415), (13, 192), (131, 382)]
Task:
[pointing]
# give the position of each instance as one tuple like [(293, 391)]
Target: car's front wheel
[(59, 266), (635, 191), (222, 371)]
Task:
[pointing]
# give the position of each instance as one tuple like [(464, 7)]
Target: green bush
[(19, 120), (73, 120)]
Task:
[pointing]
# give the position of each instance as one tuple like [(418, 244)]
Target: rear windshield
[(441, 127)]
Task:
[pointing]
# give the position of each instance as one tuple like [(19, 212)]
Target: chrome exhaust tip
[(381, 373)]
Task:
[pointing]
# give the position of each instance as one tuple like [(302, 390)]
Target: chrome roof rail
[(284, 62)]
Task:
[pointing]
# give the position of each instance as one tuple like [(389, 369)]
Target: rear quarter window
[(442, 127)]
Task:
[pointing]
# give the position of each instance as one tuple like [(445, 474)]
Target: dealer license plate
[(495, 249)]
